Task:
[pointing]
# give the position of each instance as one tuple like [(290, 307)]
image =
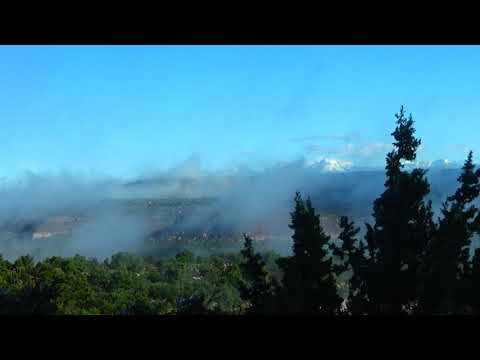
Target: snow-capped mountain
[(330, 165), (335, 165), (440, 164), (444, 164)]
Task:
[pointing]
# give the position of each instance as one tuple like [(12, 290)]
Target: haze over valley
[(64, 215)]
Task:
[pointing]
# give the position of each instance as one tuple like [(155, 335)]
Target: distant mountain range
[(331, 173), (323, 165), (334, 165), (335, 187)]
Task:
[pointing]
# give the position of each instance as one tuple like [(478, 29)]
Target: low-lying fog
[(111, 215)]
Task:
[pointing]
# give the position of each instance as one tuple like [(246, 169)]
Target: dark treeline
[(407, 263)]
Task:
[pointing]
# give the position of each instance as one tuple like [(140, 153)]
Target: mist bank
[(32, 196), (267, 197), (96, 226), (239, 201)]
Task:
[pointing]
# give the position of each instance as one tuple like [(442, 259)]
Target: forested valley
[(407, 263)]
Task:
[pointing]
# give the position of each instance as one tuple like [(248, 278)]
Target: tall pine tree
[(450, 265), (353, 260), (474, 283), (257, 290), (308, 284), (402, 227)]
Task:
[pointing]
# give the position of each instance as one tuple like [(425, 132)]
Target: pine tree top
[(405, 147), (469, 180), (347, 234), (405, 142)]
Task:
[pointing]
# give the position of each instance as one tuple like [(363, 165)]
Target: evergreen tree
[(475, 283), (475, 276), (476, 222), (402, 227), (308, 283), (256, 291), (450, 249), (347, 239), (352, 254)]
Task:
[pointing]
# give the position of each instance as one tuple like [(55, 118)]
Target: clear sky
[(123, 109)]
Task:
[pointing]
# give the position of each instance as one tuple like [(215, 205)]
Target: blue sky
[(120, 110)]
